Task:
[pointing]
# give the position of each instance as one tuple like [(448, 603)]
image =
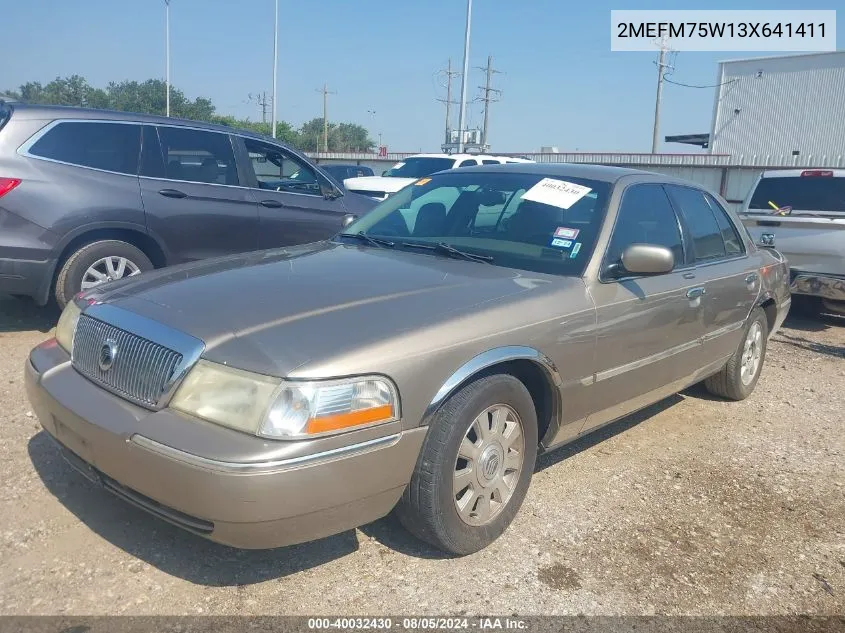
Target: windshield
[(522, 221), (419, 167), (809, 193)]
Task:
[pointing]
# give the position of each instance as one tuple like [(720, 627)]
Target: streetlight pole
[(464, 81), (167, 52), (275, 62)]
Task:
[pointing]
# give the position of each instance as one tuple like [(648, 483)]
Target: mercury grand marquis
[(416, 362)]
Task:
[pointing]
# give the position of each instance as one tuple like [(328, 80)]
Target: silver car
[(417, 362)]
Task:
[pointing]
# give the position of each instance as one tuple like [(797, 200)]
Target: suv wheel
[(739, 376), (474, 467), (98, 263)]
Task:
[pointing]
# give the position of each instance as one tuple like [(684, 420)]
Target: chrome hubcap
[(751, 351), (490, 461), (108, 269)]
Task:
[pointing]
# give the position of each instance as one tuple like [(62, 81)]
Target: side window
[(645, 217), (108, 146), (733, 243), (198, 156), (469, 162), (277, 170), (152, 161), (490, 161), (698, 216)]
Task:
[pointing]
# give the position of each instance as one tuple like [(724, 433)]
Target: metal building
[(781, 110)]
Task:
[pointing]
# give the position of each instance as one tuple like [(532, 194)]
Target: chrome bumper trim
[(246, 468), (818, 285)]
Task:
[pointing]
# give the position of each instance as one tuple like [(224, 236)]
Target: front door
[(289, 194), (192, 196), (648, 327)]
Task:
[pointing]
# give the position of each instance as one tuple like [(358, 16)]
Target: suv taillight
[(7, 184), (825, 173)]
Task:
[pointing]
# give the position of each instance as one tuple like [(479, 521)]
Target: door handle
[(173, 193), (752, 278), (271, 204), (695, 293)]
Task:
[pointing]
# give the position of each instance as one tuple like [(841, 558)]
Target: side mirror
[(648, 259), (329, 191), (384, 173), (348, 219)]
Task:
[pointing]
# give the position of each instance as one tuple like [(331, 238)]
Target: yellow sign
[(423, 181)]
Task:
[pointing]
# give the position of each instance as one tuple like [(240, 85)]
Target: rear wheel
[(474, 468), (98, 263), (739, 376)]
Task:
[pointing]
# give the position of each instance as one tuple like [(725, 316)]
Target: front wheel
[(739, 376), (474, 468)]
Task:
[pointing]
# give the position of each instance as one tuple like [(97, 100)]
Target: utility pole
[(263, 103), (326, 93), (448, 100), (487, 99), (661, 64), (275, 62), (462, 111), (167, 52)]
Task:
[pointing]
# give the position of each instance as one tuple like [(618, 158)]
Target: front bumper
[(818, 285), (245, 503)]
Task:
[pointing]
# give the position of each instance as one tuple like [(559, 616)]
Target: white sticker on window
[(557, 193)]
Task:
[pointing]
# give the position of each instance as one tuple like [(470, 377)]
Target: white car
[(418, 166)]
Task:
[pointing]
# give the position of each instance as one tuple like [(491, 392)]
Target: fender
[(68, 237), (497, 356)]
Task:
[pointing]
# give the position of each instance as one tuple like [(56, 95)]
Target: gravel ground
[(694, 506)]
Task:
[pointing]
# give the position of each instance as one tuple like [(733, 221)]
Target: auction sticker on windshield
[(566, 233), (557, 193)]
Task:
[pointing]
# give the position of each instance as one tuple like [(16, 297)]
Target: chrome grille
[(141, 370)]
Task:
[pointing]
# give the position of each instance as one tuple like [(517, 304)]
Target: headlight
[(274, 408), (66, 327)]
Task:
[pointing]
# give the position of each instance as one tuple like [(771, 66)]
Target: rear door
[(721, 269), (288, 194), (648, 327), (192, 194)]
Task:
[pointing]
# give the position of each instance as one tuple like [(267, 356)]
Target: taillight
[(7, 184), (825, 173)]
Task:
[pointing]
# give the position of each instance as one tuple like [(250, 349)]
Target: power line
[(326, 93), (487, 99), (678, 83)]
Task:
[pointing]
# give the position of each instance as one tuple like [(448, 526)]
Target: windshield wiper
[(446, 249), (373, 241)]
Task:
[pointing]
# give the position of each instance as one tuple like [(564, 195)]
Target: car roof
[(37, 111), (576, 170)]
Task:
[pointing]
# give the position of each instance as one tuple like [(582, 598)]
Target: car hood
[(377, 183), (279, 310)]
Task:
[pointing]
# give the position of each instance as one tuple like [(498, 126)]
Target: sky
[(561, 84)]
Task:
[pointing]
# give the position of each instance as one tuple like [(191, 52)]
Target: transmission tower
[(449, 73), (263, 102), (491, 95)]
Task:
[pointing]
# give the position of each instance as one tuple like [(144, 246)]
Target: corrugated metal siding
[(797, 103)]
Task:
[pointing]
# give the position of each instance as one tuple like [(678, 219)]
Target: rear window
[(108, 146), (419, 167), (809, 193), (5, 114)]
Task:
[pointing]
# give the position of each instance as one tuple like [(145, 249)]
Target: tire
[(74, 270), (731, 382), (429, 506)]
